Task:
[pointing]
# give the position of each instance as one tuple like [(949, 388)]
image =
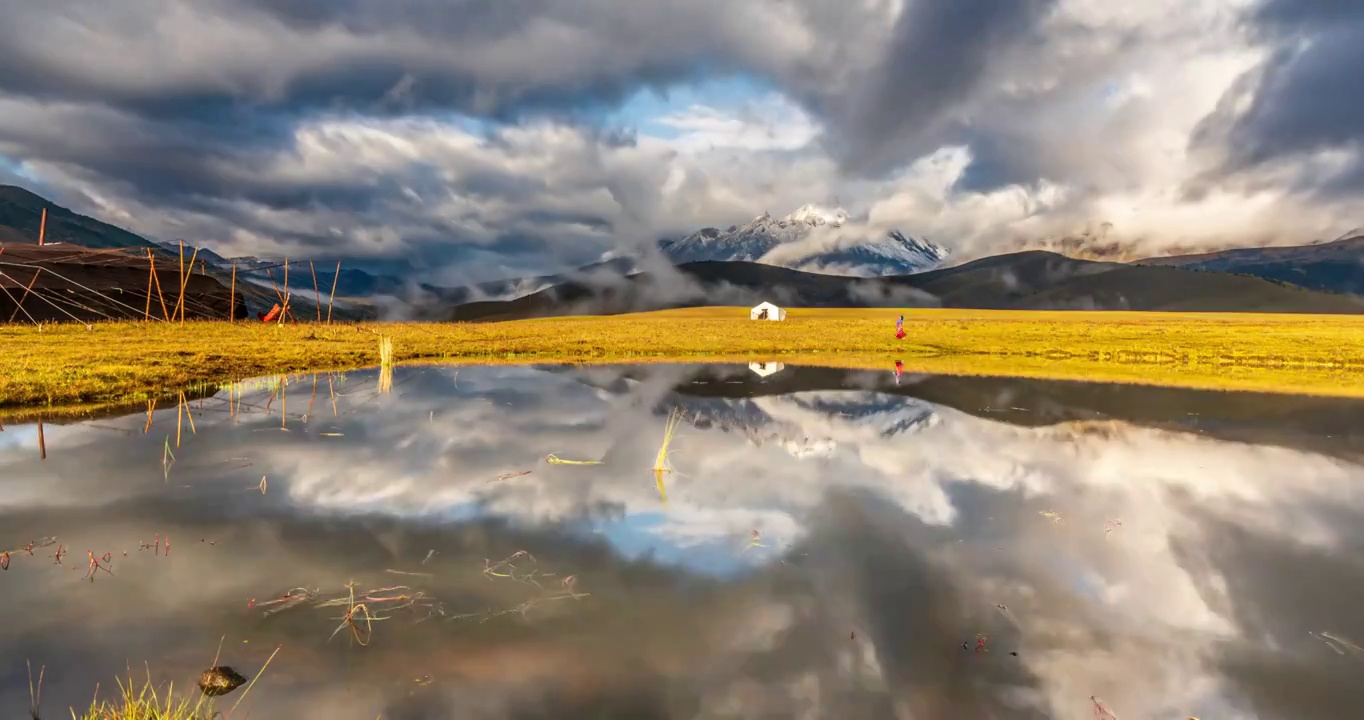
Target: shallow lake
[(493, 542)]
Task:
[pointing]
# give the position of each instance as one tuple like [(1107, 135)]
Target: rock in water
[(221, 680)]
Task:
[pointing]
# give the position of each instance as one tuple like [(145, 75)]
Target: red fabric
[(272, 315), (900, 334)]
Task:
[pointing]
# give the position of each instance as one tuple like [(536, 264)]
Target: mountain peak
[(815, 216)]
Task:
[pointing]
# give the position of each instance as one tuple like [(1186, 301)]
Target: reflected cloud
[(831, 550)]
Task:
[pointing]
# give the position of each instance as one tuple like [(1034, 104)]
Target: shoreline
[(66, 370)]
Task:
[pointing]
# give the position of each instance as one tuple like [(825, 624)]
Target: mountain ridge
[(1333, 266), (1031, 279), (807, 239)]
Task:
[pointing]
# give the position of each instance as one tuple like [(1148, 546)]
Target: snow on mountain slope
[(812, 239), (809, 424)]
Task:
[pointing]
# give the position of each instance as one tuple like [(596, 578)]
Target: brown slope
[(21, 214), (1001, 281)]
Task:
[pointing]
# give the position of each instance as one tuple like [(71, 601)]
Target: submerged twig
[(553, 459), (1101, 711)]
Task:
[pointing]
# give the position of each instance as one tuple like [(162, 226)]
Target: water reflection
[(831, 544)]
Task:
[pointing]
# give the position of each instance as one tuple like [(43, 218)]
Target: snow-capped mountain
[(808, 239), (808, 424)]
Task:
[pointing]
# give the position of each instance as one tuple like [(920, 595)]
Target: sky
[(477, 139)]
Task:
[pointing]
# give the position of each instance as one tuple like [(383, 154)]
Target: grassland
[(69, 367)]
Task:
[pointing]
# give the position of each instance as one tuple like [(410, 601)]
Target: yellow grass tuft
[(145, 702), (661, 464)]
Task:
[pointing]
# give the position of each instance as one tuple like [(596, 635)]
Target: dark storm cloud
[(940, 53), (492, 59), (1307, 97), (507, 59)]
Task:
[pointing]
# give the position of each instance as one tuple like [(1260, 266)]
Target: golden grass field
[(69, 367)]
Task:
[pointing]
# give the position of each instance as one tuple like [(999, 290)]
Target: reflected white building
[(763, 369)]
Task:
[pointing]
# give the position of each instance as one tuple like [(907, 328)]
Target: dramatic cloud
[(1300, 112), (471, 140)]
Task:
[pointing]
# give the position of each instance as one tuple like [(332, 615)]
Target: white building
[(766, 311)]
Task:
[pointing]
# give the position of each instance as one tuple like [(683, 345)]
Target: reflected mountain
[(1328, 425), (831, 545)]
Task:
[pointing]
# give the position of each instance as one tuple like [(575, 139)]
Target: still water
[(823, 544)]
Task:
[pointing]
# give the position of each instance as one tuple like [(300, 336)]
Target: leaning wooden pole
[(332, 300), (42, 441), (232, 297), (182, 281), (159, 295), (42, 228), (151, 276), (28, 289), (317, 296)]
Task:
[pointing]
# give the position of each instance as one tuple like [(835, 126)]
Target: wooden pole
[(332, 299), (189, 413), (42, 441), (182, 283), (232, 299), (151, 275), (159, 295), (317, 296), (184, 280), (42, 228), (275, 285)]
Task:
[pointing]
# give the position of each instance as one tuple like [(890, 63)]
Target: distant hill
[(21, 214), (1336, 266), (1025, 280)]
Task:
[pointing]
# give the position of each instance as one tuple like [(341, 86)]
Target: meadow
[(70, 368)]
